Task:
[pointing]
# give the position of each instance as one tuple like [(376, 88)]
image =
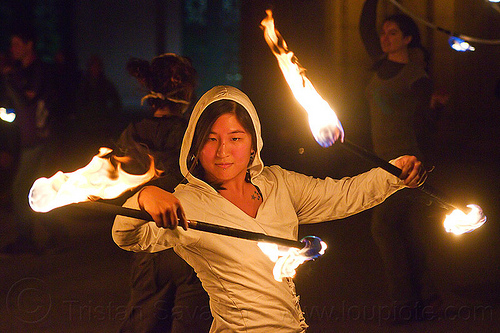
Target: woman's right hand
[(413, 172), (163, 206)]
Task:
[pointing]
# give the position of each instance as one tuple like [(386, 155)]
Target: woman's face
[(392, 39), (226, 153)]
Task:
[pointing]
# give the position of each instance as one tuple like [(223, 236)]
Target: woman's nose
[(221, 150)]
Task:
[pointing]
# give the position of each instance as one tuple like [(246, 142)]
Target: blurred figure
[(10, 147), (166, 296), (427, 127), (29, 88), (399, 96), (6, 65), (9, 161), (67, 80), (66, 138), (99, 105)]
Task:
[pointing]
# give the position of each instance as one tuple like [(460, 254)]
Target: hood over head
[(215, 94)]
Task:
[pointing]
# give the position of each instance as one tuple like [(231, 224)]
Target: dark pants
[(30, 165), (393, 227), (167, 296)]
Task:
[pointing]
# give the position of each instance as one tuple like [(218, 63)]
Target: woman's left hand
[(413, 172)]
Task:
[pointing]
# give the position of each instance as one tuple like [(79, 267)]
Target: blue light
[(458, 44)]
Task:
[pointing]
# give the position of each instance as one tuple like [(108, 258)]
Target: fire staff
[(229, 185)]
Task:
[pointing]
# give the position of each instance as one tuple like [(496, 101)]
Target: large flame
[(287, 259), (100, 179), (459, 223), (325, 126)]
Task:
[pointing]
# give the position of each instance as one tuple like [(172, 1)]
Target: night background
[(85, 288)]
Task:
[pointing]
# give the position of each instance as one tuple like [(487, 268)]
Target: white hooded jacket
[(238, 276)]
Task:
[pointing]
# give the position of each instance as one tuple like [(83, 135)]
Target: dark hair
[(171, 75), (207, 119), (409, 28)]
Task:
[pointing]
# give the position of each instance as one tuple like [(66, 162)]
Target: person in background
[(67, 79), (166, 295), (10, 147), (10, 141), (399, 97), (228, 185), (29, 86), (99, 106)]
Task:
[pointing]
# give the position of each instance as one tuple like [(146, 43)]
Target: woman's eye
[(235, 139)]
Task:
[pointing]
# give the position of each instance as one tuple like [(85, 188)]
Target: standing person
[(28, 84), (99, 105), (229, 185), (399, 95), (166, 295), (10, 145), (68, 76)]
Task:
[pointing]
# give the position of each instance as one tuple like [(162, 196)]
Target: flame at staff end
[(100, 179), (326, 127), (459, 223), (287, 259), (324, 123)]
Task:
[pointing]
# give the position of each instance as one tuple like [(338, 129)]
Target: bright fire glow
[(325, 126), (287, 259), (458, 222), (7, 115), (100, 179)]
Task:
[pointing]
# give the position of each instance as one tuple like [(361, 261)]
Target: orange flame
[(459, 223), (100, 179), (323, 121)]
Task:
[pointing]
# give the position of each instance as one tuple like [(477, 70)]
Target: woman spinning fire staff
[(228, 184)]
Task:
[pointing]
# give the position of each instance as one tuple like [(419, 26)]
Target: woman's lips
[(223, 165)]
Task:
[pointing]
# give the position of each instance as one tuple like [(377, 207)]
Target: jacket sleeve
[(144, 236), (318, 200)]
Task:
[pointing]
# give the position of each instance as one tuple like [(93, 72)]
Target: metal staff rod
[(392, 169), (197, 225)]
